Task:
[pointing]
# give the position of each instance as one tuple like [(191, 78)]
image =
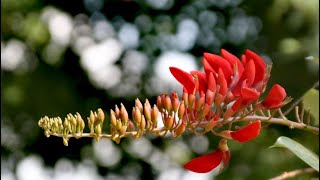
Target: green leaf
[(299, 150), (311, 100)]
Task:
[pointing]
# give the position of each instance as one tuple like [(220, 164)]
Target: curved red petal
[(232, 60), (222, 82), (247, 133), (260, 65), (237, 104), (207, 68), (275, 96), (184, 78), (211, 83), (248, 76), (205, 163), (217, 62), (249, 95)]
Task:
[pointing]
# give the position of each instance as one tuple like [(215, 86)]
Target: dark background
[(60, 57)]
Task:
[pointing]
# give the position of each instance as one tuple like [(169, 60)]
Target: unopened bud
[(209, 97), (182, 109), (191, 99), (159, 103), (123, 130), (229, 97), (117, 112), (98, 130), (181, 128), (138, 105), (124, 114), (142, 123), (137, 115), (130, 126), (147, 110), (167, 103), (113, 118), (91, 118), (154, 115), (200, 102), (223, 146), (185, 98), (100, 115), (73, 120), (169, 122), (119, 125), (175, 101), (205, 110)]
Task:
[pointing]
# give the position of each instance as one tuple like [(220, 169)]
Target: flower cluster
[(226, 92), (226, 88)]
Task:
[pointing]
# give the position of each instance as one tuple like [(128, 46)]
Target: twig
[(299, 100), (297, 114), (293, 173)]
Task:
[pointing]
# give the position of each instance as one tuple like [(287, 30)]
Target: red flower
[(275, 97), (184, 78), (208, 162), (247, 133)]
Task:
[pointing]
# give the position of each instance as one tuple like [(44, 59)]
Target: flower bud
[(130, 126), (117, 112), (142, 123), (167, 103), (175, 101), (136, 115), (124, 114), (154, 115), (91, 118), (159, 103), (168, 122), (182, 109), (205, 110), (138, 105), (119, 125), (100, 115), (209, 97), (191, 99), (123, 130), (113, 118), (181, 128), (147, 110), (200, 102), (185, 98)]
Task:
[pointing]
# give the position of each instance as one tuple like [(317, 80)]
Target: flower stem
[(293, 173)]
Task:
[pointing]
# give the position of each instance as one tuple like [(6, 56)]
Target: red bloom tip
[(233, 60), (222, 83), (249, 95), (207, 68), (184, 78), (205, 163), (247, 133), (217, 62), (211, 83), (260, 65), (275, 96)]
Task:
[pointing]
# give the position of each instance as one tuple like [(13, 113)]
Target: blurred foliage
[(42, 72)]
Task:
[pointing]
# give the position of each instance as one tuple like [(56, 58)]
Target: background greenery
[(45, 71)]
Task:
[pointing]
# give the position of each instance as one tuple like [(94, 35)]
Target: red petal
[(207, 68), (232, 60), (248, 75), (205, 163), (217, 62), (243, 59), (211, 83), (237, 104), (260, 65), (184, 78), (275, 96), (249, 95), (247, 133), (222, 82)]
